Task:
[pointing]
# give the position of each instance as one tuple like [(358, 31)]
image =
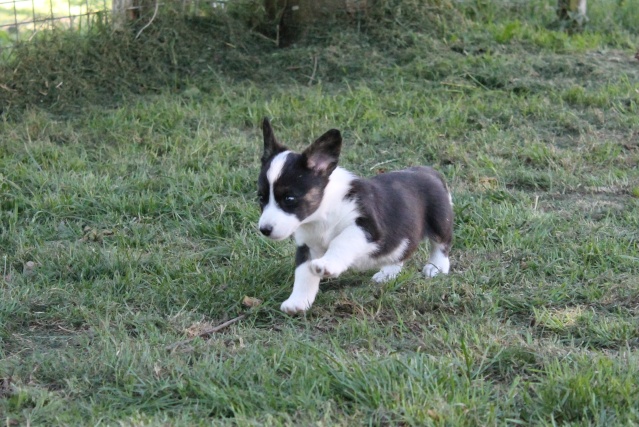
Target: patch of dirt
[(595, 202), (44, 339)]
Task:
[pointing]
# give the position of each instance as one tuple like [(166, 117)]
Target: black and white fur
[(340, 221)]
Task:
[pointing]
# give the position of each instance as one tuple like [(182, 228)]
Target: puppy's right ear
[(323, 154), (271, 146)]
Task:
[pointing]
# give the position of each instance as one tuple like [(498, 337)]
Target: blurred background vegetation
[(183, 46)]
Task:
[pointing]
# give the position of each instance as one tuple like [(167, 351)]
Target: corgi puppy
[(340, 221)]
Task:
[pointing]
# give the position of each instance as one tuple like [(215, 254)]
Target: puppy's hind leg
[(440, 223), (387, 273), (438, 261)]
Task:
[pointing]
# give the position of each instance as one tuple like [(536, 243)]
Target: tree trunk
[(121, 10), (572, 10), (125, 11), (292, 19)]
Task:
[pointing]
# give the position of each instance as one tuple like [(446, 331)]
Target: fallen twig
[(207, 332), (7, 88), (155, 12), (310, 81)]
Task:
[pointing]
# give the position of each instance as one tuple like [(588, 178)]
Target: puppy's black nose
[(266, 230)]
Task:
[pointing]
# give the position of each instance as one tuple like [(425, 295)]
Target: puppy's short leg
[(305, 286), (438, 261), (387, 273), (305, 289), (342, 251), (440, 223)]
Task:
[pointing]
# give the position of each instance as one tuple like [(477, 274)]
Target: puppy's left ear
[(322, 155)]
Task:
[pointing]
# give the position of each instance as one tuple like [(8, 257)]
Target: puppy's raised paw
[(322, 268), (318, 267)]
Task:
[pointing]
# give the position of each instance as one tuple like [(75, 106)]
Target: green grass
[(129, 215)]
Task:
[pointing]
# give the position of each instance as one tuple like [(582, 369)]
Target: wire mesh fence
[(21, 20)]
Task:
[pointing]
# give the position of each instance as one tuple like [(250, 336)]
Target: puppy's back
[(410, 204)]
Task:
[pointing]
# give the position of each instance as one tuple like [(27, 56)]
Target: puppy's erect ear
[(271, 146), (322, 155)]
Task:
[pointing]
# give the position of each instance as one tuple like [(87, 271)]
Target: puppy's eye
[(290, 200), (261, 198)]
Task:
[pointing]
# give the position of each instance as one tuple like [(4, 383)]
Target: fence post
[(123, 11)]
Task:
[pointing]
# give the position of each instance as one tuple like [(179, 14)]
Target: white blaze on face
[(283, 223)]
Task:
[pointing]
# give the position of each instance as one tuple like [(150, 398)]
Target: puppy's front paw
[(295, 306), (430, 270), (322, 268), (387, 273), (438, 263)]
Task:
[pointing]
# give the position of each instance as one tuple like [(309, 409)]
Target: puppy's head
[(291, 185)]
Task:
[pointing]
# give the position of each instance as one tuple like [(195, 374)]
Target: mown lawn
[(130, 226)]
